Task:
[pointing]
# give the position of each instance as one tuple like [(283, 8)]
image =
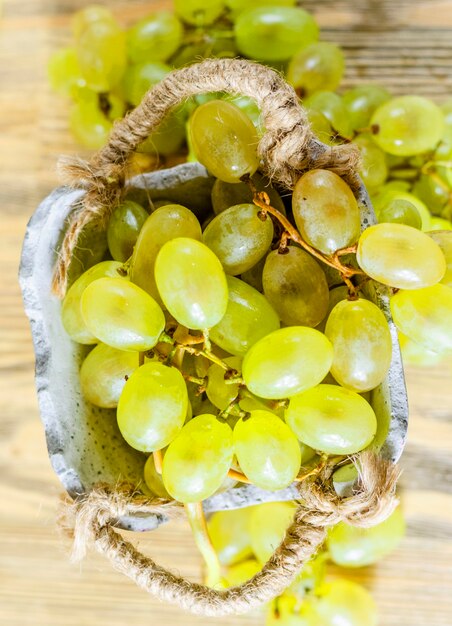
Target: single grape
[(224, 140), (199, 12), (121, 314), (332, 419), (241, 572), (286, 362), (295, 285), (408, 125), (400, 256), (123, 229), (152, 407), (64, 71), (400, 211), (267, 526), (444, 240), (228, 531), (168, 137), (140, 77), (154, 38), (225, 195), (319, 66), (320, 126), (433, 192), (419, 356), (154, 480), (333, 108), (191, 283), (374, 170), (219, 392), (274, 33), (325, 211), (198, 460), (86, 17), (361, 102), (395, 190), (345, 603), (287, 610), (89, 125)]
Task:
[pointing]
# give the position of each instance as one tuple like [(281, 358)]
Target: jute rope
[(91, 518), (287, 149)]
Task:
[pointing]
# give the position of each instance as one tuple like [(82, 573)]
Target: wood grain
[(405, 44)]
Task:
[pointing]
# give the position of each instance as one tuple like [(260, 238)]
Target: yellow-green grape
[(199, 12), (319, 66), (349, 546), (86, 17), (344, 603), (241, 572), (154, 480), (332, 419), (295, 285), (400, 211), (425, 316), (140, 77), (267, 526), (437, 223), (320, 126), (71, 314), (191, 283), (152, 407), (374, 170), (198, 460), (415, 354), (444, 240), (64, 71), (408, 125), (287, 610), (89, 125), (274, 33), (361, 102), (104, 373), (332, 107), (168, 137), (249, 317), (433, 191), (228, 531), (362, 344), (263, 435), (121, 314), (286, 362), (219, 392), (154, 38), (224, 140), (225, 195), (123, 229), (239, 238), (165, 223), (237, 6), (326, 211), (310, 578), (400, 256), (395, 191)]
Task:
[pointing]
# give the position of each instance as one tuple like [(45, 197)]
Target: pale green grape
[(350, 546), (169, 136), (198, 460), (444, 240), (165, 223), (438, 223), (86, 17), (89, 125), (400, 256), (123, 229), (396, 190), (408, 125), (415, 354), (425, 316), (345, 477), (71, 314), (199, 12), (374, 170), (361, 342), (320, 126), (319, 66), (267, 526), (140, 77), (286, 362), (333, 108), (400, 211), (263, 435), (121, 314), (253, 276), (154, 38), (295, 285), (104, 373), (239, 238), (238, 6), (332, 419), (225, 195), (152, 407), (64, 71), (191, 283), (435, 194), (154, 480), (361, 102), (274, 33), (218, 391), (224, 140), (241, 572), (344, 603), (228, 531), (326, 211)]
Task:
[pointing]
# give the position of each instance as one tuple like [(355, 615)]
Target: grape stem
[(158, 460), (200, 532), (236, 475)]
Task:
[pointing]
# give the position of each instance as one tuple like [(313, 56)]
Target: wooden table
[(407, 44)]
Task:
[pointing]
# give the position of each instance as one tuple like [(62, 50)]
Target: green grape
[(154, 38), (374, 170), (333, 108), (325, 211), (224, 140), (425, 316), (64, 71), (89, 125), (104, 373), (345, 477), (400, 256), (198, 460), (86, 17), (267, 526), (140, 77), (320, 126), (415, 354), (71, 314), (253, 276), (121, 314), (317, 67), (433, 192), (296, 287), (400, 211), (165, 223), (154, 480), (286, 362), (438, 223), (169, 136), (225, 195), (287, 610), (408, 125), (361, 102), (396, 190), (361, 342), (123, 229), (444, 241), (152, 407), (220, 393), (249, 402), (239, 237), (344, 603), (335, 295), (248, 106), (228, 531), (332, 419), (199, 12), (349, 546), (238, 6), (274, 33), (263, 435), (241, 572), (248, 318), (191, 283)]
